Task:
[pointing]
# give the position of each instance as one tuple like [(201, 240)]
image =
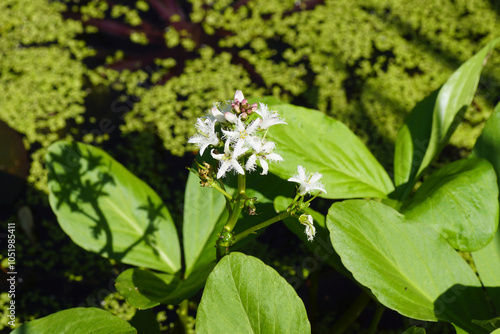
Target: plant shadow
[(465, 306), (82, 182)]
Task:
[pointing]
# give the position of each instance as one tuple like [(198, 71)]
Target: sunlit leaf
[(107, 210), (407, 265), (460, 201), (243, 295), (77, 321)]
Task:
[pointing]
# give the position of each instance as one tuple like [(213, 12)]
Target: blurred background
[(132, 76)]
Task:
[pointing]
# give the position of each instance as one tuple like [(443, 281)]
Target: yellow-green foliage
[(369, 62), (40, 74), (172, 108), (364, 62)]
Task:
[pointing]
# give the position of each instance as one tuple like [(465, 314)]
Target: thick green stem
[(257, 227), (352, 313)]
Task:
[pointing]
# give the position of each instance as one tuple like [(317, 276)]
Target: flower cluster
[(239, 129)]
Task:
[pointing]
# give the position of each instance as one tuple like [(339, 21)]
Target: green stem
[(182, 313), (352, 313), (238, 205), (219, 189), (257, 227), (376, 318)]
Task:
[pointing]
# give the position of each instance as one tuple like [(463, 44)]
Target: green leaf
[(488, 144), (407, 265), (414, 330), (490, 324), (460, 201), (432, 121), (204, 217), (77, 321), (487, 260), (145, 289), (106, 209), (243, 295), (324, 145), (145, 322)]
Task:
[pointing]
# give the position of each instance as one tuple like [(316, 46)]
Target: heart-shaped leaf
[(460, 201), (431, 123), (407, 265), (77, 321), (324, 145), (106, 209), (243, 295)]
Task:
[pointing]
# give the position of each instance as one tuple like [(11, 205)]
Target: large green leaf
[(106, 209), (460, 201), (145, 289), (204, 217), (432, 121), (407, 265), (243, 295), (78, 320), (487, 260), (324, 145)]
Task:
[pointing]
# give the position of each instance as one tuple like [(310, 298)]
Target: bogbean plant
[(405, 247)]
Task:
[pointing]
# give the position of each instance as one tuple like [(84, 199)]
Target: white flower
[(217, 114), (308, 181), (206, 134), (242, 135), (269, 118), (222, 116), (308, 222), (262, 152), (238, 96), (229, 160)]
